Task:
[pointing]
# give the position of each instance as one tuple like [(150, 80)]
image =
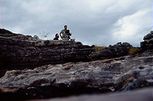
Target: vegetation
[(134, 51), (99, 48)]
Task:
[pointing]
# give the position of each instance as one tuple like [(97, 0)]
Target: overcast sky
[(100, 22)]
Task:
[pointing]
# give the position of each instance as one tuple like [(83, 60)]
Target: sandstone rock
[(6, 33), (99, 76), (19, 51), (53, 68), (147, 44), (117, 50), (148, 36)]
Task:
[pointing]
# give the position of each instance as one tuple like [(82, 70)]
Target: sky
[(93, 22)]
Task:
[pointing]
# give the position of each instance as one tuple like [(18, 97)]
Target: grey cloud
[(91, 21)]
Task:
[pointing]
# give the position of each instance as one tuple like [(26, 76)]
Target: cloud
[(90, 21), (132, 28)]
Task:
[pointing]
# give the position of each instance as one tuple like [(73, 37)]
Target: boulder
[(101, 76), (147, 44), (148, 36), (6, 33), (19, 51), (117, 50)]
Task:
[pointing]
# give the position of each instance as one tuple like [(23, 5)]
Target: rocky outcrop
[(10, 35), (147, 44), (54, 68), (23, 51), (20, 51), (117, 50), (119, 74)]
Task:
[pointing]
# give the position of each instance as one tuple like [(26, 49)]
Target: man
[(65, 34)]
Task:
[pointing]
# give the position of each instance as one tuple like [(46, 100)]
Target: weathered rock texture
[(147, 44), (19, 51), (119, 74), (54, 68), (117, 50)]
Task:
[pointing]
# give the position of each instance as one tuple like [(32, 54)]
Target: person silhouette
[(65, 34), (56, 36)]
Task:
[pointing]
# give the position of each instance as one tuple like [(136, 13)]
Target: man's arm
[(61, 33)]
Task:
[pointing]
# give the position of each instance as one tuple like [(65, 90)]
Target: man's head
[(65, 26)]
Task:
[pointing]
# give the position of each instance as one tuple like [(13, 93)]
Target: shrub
[(134, 51), (99, 48)]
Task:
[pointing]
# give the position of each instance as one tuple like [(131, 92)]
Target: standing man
[(65, 34)]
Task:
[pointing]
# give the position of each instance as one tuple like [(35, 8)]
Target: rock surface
[(117, 50), (18, 51), (147, 44), (101, 76), (46, 69), (23, 51)]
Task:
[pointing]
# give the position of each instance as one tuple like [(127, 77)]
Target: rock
[(117, 50), (53, 68), (148, 36), (138, 77), (19, 51), (59, 80), (6, 33), (147, 44), (120, 49)]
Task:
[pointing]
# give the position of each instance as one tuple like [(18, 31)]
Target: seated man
[(65, 34), (56, 36)]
